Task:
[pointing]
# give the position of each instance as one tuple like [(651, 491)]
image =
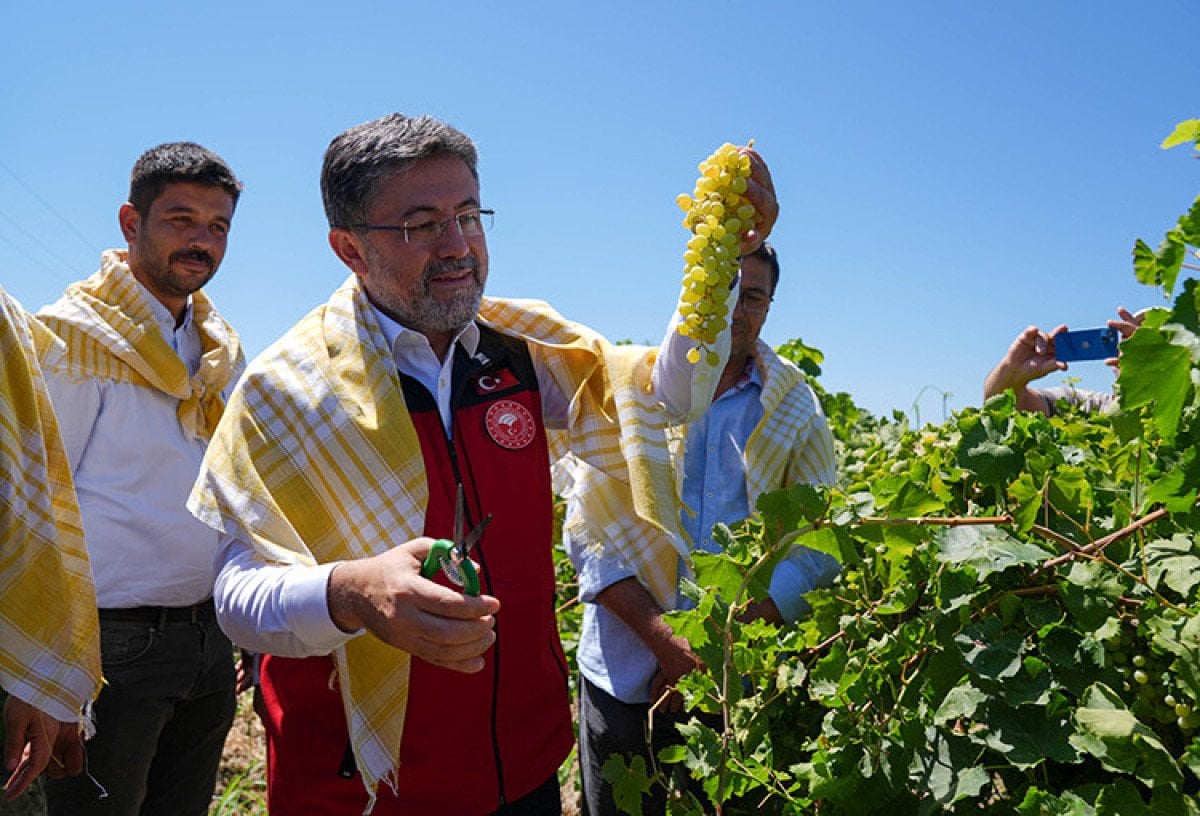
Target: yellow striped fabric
[(111, 333), (317, 460), (792, 443), (49, 632)]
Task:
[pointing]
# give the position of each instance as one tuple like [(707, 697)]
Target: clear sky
[(948, 171)]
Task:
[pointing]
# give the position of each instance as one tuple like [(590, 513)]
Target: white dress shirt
[(282, 610), (134, 467)]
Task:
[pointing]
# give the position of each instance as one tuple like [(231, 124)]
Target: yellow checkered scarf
[(317, 460), (49, 633), (110, 332), (791, 444)]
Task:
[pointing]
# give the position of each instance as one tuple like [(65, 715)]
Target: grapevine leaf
[(1070, 491), (1186, 311), (1186, 131), (1026, 737), (793, 506), (1156, 373), (825, 678), (1174, 563), (912, 501), (1177, 488), (1122, 799), (961, 703), (1146, 266), (1189, 225), (1108, 731), (672, 754), (807, 358), (990, 653), (1038, 802), (715, 571), (947, 770), (983, 452), (985, 549), (629, 782), (1090, 593)]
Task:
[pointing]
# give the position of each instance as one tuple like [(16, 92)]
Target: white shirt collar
[(399, 336)]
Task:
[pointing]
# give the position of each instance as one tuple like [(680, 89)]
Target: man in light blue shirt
[(764, 431)]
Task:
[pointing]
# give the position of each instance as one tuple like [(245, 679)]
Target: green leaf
[(948, 771), (982, 451), (794, 506), (1157, 373), (1189, 224), (1186, 131), (961, 703), (1026, 736), (1038, 802), (1107, 730), (716, 571), (1175, 563), (991, 654), (630, 782), (913, 501), (1090, 593), (807, 358), (985, 549)]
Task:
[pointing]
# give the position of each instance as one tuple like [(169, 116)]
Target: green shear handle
[(461, 573), (451, 557)]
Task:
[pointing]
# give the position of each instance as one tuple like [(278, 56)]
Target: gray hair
[(359, 157)]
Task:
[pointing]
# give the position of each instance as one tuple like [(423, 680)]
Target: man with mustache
[(149, 363), (342, 455)]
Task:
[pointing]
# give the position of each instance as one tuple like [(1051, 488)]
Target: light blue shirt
[(610, 655)]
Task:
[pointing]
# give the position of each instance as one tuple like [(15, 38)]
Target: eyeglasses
[(471, 224), (753, 302)]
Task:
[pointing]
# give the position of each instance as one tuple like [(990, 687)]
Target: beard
[(180, 284), (417, 309)]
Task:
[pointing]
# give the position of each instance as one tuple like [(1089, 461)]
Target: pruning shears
[(451, 556)]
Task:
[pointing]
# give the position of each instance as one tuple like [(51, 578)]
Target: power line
[(37, 241), (70, 226)]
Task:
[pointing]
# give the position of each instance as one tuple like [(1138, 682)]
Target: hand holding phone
[(1086, 344)]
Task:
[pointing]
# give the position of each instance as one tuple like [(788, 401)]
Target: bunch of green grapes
[(717, 213), (1156, 696)]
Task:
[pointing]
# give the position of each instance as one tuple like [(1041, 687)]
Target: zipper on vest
[(487, 586)]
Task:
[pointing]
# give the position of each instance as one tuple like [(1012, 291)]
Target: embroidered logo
[(510, 424)]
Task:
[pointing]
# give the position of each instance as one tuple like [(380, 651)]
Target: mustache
[(193, 255), (435, 268)]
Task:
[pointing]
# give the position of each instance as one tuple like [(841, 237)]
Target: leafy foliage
[(1015, 628)]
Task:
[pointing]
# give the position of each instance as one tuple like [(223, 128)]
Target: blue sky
[(948, 172)]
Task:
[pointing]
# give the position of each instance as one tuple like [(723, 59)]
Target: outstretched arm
[(1030, 357)]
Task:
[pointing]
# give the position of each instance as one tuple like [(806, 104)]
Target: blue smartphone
[(1086, 344)]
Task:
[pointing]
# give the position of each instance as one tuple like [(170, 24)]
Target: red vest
[(472, 742)]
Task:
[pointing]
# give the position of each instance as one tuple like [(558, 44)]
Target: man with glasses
[(344, 452), (764, 431)]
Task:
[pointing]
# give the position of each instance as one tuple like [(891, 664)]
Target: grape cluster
[(1149, 680), (717, 213)]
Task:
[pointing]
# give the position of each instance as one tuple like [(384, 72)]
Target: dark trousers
[(609, 726), (161, 721), (546, 800)]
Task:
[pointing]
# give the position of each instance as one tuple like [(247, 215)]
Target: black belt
[(203, 611)]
